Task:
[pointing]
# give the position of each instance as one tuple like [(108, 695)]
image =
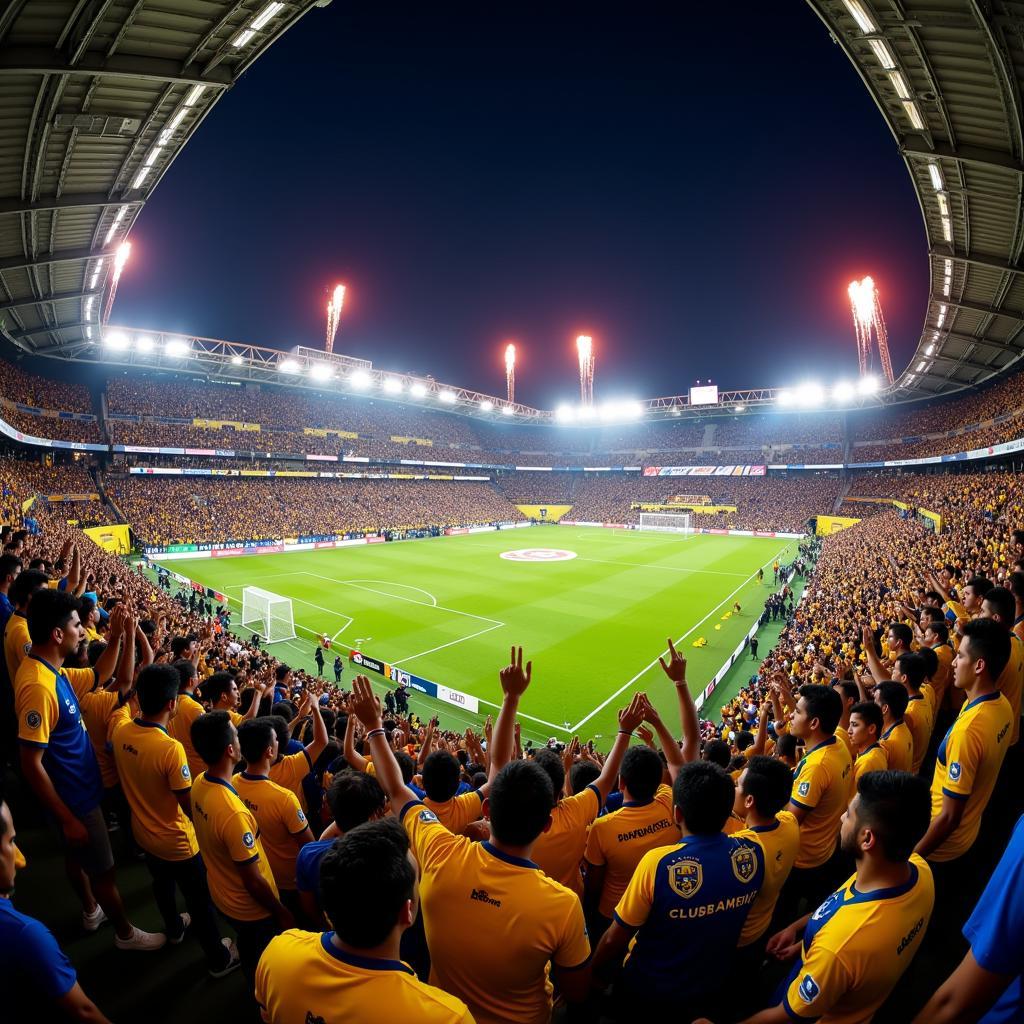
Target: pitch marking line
[(648, 667), (320, 607)]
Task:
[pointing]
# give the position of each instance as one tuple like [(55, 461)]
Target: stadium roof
[(947, 77), (97, 98)]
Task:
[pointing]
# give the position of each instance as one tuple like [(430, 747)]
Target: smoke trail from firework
[(334, 316), (867, 317), (510, 372), (585, 351), (120, 259)]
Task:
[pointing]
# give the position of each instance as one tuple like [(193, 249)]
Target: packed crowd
[(174, 510), (375, 867), (18, 385)]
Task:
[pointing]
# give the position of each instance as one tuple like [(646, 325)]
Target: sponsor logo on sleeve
[(809, 990), (248, 840), (427, 817), (955, 770), (804, 788), (33, 719)]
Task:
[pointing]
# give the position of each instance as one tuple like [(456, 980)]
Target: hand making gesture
[(676, 667), (514, 679)]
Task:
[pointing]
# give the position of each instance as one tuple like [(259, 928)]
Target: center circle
[(538, 555)]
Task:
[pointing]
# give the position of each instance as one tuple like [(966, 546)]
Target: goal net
[(666, 522), (267, 614)]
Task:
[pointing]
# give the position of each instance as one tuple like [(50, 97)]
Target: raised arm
[(629, 718), (673, 755), (365, 705), (761, 738), (514, 682), (107, 663), (875, 666), (352, 756), (676, 671), (316, 745)]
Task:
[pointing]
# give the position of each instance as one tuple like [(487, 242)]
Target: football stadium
[(407, 614)]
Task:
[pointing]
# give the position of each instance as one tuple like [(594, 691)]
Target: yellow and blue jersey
[(856, 946), (49, 716), (280, 818), (780, 844), (304, 976), (687, 904), (898, 742), (967, 767), (920, 720), (872, 759), (821, 787), (1011, 683), (559, 851)]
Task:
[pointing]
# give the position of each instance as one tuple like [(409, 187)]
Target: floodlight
[(740, 407), (507, 410), (321, 371), (289, 366), (116, 340), (392, 385), (486, 405), (785, 397), (810, 394), (143, 343), (843, 391), (867, 385), (565, 413), (237, 360), (360, 379), (417, 389), (448, 397)]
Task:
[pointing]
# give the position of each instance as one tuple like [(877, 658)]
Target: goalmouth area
[(591, 607)]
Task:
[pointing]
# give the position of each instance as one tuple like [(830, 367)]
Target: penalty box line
[(647, 668)]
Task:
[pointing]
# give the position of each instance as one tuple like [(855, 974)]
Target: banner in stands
[(704, 470), (115, 538), (549, 513), (700, 508), (69, 497), (827, 525)]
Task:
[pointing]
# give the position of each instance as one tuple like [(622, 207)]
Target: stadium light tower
[(867, 318), (585, 351), (120, 259), (334, 316), (510, 372)]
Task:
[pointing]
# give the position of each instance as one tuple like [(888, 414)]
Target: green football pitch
[(593, 620)]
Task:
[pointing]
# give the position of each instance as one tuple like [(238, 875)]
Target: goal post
[(269, 615), (666, 522)]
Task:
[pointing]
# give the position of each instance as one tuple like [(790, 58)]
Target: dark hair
[(704, 794), (186, 673), (156, 687), (848, 689), (552, 764), (582, 774), (366, 878), (744, 739), (215, 686), (211, 734), (280, 726), (8, 563), (49, 610), (981, 585), (281, 672), (641, 773), (1017, 585), (870, 713), (407, 764), (897, 807), (284, 709), (521, 801), (933, 595), (894, 696), (824, 704), (25, 585), (254, 737), (354, 798), (930, 661), (931, 617), (1003, 605), (903, 633), (940, 629), (769, 782), (786, 745), (911, 665), (440, 776), (180, 644), (991, 641), (717, 752)]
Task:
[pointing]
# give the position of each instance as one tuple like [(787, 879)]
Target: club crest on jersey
[(686, 877), (33, 719), (954, 771), (427, 816), (809, 990), (744, 864), (184, 771), (248, 840), (804, 788)]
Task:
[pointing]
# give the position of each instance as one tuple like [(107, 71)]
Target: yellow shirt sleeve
[(808, 787), (37, 713), (179, 778), (432, 843), (594, 853), (237, 838), (965, 750), (819, 984), (635, 905), (82, 680), (574, 947)]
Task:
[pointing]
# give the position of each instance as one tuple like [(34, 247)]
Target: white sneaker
[(91, 922), (186, 920), (141, 940), (233, 963)]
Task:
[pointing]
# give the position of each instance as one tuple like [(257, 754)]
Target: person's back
[(353, 973)]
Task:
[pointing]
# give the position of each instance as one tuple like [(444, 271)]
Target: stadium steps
[(709, 435), (843, 492)]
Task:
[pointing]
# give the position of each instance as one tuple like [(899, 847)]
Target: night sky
[(695, 189)]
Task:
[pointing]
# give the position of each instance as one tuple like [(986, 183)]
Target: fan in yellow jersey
[(238, 872), (910, 671), (16, 639), (865, 729), (220, 692), (896, 737), (354, 973), (283, 826), (821, 791), (156, 781), (289, 769), (849, 692), (999, 605), (525, 921), (966, 770), (189, 709), (855, 947)]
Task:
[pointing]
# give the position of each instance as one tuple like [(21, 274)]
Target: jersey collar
[(149, 725), (35, 657), (888, 732), (885, 894), (994, 695), (824, 743), (254, 778), (874, 746), (766, 828), (369, 963), (520, 862), (220, 782)]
